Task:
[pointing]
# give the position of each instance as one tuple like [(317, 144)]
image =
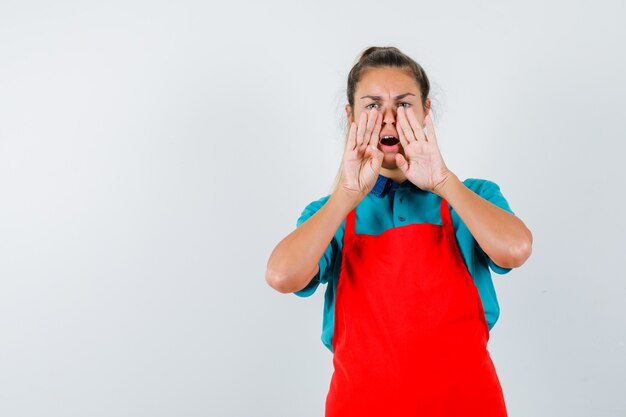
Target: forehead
[(386, 81)]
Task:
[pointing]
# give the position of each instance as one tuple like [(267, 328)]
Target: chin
[(389, 161)]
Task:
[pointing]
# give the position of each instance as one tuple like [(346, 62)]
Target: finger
[(416, 126), (405, 126), (351, 143), (374, 157), (375, 136), (430, 128), (367, 152), (377, 160), (361, 129), (403, 139), (401, 163), (372, 118)]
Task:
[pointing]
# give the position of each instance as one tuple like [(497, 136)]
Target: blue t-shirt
[(392, 204)]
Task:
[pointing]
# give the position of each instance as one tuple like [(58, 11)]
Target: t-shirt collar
[(384, 185)]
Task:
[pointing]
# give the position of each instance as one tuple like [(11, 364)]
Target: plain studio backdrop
[(152, 154)]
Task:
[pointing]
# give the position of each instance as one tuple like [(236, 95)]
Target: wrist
[(345, 199), (447, 185)]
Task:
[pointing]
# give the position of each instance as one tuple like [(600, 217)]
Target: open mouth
[(389, 140), (390, 144)]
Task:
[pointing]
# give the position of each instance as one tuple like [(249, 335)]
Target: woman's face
[(386, 89)]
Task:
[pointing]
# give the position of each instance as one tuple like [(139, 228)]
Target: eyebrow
[(401, 96)]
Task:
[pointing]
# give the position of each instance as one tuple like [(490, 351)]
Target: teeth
[(389, 140)]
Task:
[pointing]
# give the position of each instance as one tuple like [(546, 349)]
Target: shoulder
[(312, 208), (489, 190), (480, 185)]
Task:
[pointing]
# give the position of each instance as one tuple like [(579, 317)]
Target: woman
[(407, 249)]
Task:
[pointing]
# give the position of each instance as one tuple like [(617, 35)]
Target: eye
[(371, 104), (407, 104)]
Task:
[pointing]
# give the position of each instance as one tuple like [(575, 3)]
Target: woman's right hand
[(295, 260), (362, 158)]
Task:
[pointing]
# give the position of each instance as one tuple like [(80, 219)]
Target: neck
[(395, 174)]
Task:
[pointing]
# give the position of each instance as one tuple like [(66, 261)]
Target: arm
[(500, 234), (294, 260)]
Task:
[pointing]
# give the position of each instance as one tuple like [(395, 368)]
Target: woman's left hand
[(423, 165)]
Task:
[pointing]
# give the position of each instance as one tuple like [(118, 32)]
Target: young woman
[(405, 248)]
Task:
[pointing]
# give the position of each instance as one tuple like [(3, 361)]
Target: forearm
[(501, 235), (295, 260)]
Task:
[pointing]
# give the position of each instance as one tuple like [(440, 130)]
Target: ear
[(427, 110), (349, 114)]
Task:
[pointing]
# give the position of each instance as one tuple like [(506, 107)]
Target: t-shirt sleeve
[(327, 257), (490, 191)]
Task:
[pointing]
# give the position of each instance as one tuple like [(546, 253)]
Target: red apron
[(410, 336)]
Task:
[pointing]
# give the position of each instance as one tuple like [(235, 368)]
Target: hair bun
[(373, 49)]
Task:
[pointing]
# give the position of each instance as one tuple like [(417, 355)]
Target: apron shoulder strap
[(446, 219), (350, 227)]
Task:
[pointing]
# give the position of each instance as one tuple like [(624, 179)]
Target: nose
[(389, 116)]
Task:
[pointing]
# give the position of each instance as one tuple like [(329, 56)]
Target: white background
[(152, 154)]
